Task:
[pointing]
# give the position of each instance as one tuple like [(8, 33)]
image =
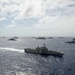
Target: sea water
[(13, 60)]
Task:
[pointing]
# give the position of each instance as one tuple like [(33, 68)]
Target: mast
[(44, 45)]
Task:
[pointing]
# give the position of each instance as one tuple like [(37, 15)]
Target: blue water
[(13, 60)]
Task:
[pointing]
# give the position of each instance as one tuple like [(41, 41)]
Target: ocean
[(14, 61)]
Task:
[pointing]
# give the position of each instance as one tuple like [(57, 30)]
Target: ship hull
[(53, 53), (70, 42)]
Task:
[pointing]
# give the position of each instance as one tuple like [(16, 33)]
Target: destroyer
[(43, 51)]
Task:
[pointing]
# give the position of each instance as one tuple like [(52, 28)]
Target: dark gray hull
[(70, 42), (53, 53)]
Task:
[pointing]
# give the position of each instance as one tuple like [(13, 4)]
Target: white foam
[(12, 49)]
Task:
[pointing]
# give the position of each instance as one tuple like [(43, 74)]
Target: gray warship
[(71, 42), (43, 51), (12, 39), (40, 38)]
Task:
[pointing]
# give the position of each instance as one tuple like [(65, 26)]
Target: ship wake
[(12, 49)]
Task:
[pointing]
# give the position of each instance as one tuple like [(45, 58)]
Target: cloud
[(57, 25), (11, 26), (47, 17), (32, 9)]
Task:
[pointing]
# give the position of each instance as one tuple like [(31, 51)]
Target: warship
[(43, 51), (12, 39), (71, 42), (40, 38), (50, 38)]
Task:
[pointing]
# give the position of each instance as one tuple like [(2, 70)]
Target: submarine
[(43, 51)]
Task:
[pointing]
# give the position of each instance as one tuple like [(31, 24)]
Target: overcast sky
[(37, 17)]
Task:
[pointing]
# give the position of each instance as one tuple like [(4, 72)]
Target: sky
[(37, 17)]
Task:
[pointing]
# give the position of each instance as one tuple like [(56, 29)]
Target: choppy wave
[(12, 49)]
